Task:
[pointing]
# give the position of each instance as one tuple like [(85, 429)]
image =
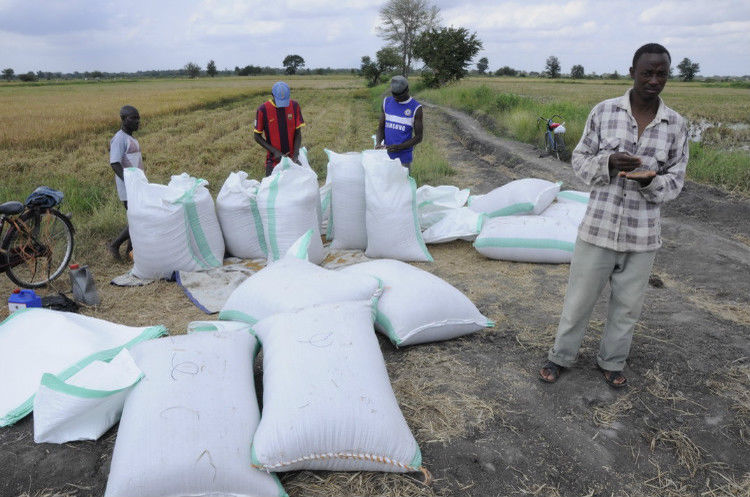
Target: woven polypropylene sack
[(434, 202), (571, 212), (289, 201), (417, 306), (237, 210), (186, 426), (327, 399), (528, 239), (522, 196), (86, 405), (575, 196), (35, 341), (347, 178), (393, 229), (173, 227), (291, 284), (456, 224)]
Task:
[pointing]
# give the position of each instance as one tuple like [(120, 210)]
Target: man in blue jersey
[(400, 126)]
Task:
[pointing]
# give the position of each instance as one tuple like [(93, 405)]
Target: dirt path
[(485, 424)]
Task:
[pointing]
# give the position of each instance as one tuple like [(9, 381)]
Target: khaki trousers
[(590, 269)]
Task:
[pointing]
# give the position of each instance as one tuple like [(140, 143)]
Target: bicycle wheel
[(560, 147), (40, 250)]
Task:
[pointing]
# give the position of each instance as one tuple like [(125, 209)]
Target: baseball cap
[(281, 94), (399, 84)]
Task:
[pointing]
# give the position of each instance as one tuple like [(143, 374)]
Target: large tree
[(482, 65), (386, 60), (8, 73), (211, 68), (292, 63), (576, 72), (688, 69), (447, 52), (552, 68), (192, 69), (402, 21)]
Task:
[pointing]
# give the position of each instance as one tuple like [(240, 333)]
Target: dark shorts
[(270, 164)]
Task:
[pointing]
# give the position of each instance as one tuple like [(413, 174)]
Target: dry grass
[(607, 414), (667, 485), (731, 311), (439, 394), (733, 384), (726, 486), (687, 452), (325, 483)]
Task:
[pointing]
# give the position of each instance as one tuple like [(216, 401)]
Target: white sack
[(417, 306), (304, 162), (456, 224), (173, 227), (327, 399), (200, 326), (522, 196), (391, 216), (571, 212), (288, 202), (186, 427), (527, 239), (87, 404), (237, 210), (292, 284), (347, 221), (325, 208), (37, 341), (566, 196), (434, 202)]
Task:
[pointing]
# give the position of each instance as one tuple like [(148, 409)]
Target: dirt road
[(486, 425)]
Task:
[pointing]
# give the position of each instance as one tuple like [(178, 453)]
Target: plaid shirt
[(622, 215)]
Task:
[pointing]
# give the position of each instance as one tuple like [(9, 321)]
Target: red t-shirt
[(279, 124)]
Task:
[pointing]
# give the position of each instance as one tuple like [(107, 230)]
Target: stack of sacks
[(187, 427), (37, 341), (172, 227), (417, 306), (391, 218), (237, 210), (522, 196), (549, 237), (435, 202), (289, 205)]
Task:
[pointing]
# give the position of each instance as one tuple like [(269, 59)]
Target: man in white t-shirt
[(124, 151)]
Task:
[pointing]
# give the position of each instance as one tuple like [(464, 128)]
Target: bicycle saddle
[(11, 208)]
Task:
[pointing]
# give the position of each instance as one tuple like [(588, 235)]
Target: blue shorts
[(406, 156)]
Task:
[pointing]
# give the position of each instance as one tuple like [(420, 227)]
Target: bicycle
[(37, 244), (553, 140)]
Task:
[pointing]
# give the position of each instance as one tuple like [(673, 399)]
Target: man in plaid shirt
[(633, 153)]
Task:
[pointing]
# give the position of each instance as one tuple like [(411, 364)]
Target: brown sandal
[(611, 378), (555, 371)]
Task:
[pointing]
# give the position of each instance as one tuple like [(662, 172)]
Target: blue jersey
[(399, 125)]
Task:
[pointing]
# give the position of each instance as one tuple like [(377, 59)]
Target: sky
[(128, 36)]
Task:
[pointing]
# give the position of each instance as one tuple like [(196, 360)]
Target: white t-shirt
[(124, 149)]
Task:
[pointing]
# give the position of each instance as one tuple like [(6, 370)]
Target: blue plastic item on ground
[(21, 299)]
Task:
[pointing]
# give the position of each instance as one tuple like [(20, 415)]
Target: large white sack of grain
[(173, 227), (86, 405), (572, 212), (237, 210), (457, 224), (434, 202), (288, 202), (528, 239), (187, 426), (417, 306), (522, 196), (37, 341), (393, 229), (347, 219), (575, 196), (294, 283), (327, 399), (305, 162)]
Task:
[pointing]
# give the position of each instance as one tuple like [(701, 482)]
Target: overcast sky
[(601, 35)]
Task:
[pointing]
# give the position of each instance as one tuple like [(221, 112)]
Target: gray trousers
[(590, 269)]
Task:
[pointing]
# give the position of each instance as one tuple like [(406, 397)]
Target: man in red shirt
[(280, 120)]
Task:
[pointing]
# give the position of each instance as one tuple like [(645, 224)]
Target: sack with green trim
[(86, 405), (35, 341), (391, 211), (417, 306), (186, 427), (347, 221), (528, 239), (173, 227), (237, 210), (571, 212), (327, 399), (575, 196), (291, 284), (289, 201), (456, 224), (522, 196), (305, 162), (199, 326), (434, 202)]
